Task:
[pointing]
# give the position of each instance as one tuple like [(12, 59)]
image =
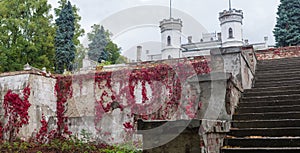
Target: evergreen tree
[(64, 46), (79, 32), (99, 40), (101, 46), (27, 34), (287, 29)]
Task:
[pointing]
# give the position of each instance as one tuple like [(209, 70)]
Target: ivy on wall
[(165, 84), (161, 95), (64, 91), (15, 112)]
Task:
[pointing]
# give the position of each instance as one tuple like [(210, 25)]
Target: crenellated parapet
[(170, 24), (231, 15)]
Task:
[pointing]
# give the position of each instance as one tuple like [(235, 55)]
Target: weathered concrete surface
[(171, 136), (14, 83), (42, 97), (239, 61), (241, 64), (219, 95)]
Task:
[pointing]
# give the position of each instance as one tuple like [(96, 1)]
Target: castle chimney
[(219, 35), (246, 42), (139, 54), (190, 39)]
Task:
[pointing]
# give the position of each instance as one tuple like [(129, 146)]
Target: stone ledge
[(220, 126), (213, 76), (25, 72)]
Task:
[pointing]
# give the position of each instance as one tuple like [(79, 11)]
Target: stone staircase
[(267, 119)]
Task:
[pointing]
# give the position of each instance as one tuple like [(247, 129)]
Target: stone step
[(278, 84), (274, 66), (270, 89), (277, 69), (271, 63), (267, 116), (257, 141), (262, 67), (287, 69), (278, 79), (270, 98), (270, 103), (271, 75), (262, 109), (267, 132), (271, 93), (261, 150), (279, 61), (266, 123)]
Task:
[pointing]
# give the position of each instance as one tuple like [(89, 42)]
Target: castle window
[(230, 32), (169, 57), (169, 41)]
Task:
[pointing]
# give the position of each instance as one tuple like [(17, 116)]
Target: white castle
[(231, 35)]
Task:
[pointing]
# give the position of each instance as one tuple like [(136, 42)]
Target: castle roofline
[(231, 12), (171, 24), (171, 20)]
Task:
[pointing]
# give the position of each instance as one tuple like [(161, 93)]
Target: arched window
[(230, 32), (169, 57), (169, 41)]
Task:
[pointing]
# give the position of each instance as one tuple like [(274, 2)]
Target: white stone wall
[(196, 53), (43, 101), (42, 98), (171, 52), (16, 83), (174, 49), (237, 39)]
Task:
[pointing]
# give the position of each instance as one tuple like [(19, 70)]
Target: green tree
[(26, 34), (287, 28), (64, 46), (113, 52), (99, 40), (101, 46), (122, 60), (80, 55), (79, 32)]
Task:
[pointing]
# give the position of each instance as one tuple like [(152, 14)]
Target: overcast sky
[(137, 21)]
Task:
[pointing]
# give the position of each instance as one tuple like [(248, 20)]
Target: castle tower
[(171, 38), (231, 27)]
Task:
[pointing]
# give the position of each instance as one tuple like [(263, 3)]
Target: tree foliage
[(287, 29), (27, 34), (101, 46), (113, 52), (98, 43), (64, 45), (80, 55), (79, 32)]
